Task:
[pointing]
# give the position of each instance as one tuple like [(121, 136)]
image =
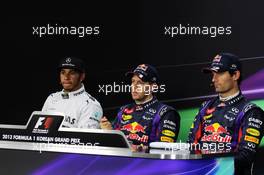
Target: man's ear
[(82, 76), (154, 87), (236, 75)]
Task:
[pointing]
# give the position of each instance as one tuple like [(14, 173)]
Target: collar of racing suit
[(230, 100), (140, 107), (72, 94), (229, 97)]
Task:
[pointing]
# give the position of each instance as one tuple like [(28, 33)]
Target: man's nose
[(66, 76), (214, 77), (135, 84)]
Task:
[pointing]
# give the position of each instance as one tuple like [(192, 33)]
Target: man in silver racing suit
[(80, 108)]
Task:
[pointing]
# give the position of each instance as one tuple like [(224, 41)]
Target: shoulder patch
[(128, 109), (249, 106), (90, 97), (125, 106), (122, 108), (165, 109), (55, 95), (204, 103)]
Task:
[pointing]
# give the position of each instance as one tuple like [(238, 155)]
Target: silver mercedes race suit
[(80, 108)]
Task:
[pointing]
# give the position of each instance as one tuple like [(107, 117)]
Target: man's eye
[(134, 82), (72, 72)]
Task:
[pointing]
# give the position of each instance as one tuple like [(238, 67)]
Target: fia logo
[(43, 125), (44, 122)]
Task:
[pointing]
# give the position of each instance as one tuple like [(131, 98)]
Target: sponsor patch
[(152, 110), (163, 110), (254, 125), (229, 118), (207, 116), (210, 111), (216, 138), (253, 132), (255, 120), (133, 128), (128, 111), (252, 139), (217, 58), (248, 107), (192, 126), (147, 118), (215, 133), (166, 139), (126, 117), (133, 136), (169, 127), (251, 145), (169, 122), (168, 133)]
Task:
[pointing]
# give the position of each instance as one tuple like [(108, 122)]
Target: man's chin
[(67, 88), (218, 91), (135, 98)]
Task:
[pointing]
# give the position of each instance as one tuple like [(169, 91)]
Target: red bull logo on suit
[(215, 134)]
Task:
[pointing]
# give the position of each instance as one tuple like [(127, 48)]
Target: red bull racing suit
[(149, 122), (235, 125)]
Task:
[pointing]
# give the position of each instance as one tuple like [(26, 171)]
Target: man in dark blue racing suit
[(228, 123), (146, 120)]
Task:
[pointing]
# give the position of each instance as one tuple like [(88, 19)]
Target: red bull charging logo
[(135, 128), (214, 133)]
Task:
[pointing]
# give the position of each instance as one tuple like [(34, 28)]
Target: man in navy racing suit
[(146, 120), (228, 123)]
